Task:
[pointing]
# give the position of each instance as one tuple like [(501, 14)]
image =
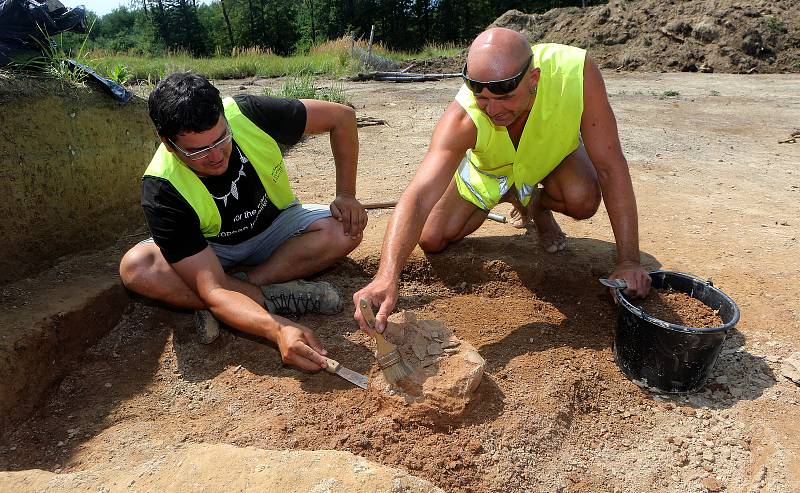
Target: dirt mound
[(686, 36), (438, 65), (656, 36)]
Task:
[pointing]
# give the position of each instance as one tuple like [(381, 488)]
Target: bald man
[(532, 126)]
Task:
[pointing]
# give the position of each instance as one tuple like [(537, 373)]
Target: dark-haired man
[(216, 198), (525, 116)]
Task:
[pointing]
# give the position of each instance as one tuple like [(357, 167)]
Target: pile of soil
[(679, 308), (673, 36)]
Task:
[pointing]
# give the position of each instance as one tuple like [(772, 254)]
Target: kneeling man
[(525, 116)]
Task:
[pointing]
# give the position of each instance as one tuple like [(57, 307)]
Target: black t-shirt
[(238, 193)]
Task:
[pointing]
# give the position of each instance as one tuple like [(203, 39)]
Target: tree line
[(291, 26)]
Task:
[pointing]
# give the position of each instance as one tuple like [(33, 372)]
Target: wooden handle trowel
[(346, 373)]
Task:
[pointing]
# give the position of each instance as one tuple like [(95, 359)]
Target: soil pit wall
[(72, 162)]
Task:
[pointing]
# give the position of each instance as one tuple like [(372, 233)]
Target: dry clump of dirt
[(679, 308), (675, 35)]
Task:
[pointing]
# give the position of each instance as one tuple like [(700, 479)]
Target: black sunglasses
[(498, 87)]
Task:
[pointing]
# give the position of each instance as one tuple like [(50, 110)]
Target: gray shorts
[(291, 222)]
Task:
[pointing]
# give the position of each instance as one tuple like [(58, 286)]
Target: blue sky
[(102, 7), (99, 7)]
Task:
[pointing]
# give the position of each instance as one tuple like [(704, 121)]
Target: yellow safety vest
[(551, 132), (261, 150)]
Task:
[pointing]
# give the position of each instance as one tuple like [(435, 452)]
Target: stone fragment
[(450, 344), (420, 347), (791, 368), (711, 484), (434, 348)]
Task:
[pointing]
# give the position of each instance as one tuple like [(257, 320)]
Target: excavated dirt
[(679, 308), (717, 197), (665, 36)]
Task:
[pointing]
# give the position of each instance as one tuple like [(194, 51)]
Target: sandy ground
[(718, 198)]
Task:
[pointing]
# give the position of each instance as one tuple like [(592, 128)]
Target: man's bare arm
[(601, 138), (340, 122), (238, 304), (453, 135)]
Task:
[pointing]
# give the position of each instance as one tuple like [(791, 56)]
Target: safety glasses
[(205, 151), (498, 87)]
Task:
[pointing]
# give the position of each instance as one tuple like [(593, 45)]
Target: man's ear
[(535, 74)]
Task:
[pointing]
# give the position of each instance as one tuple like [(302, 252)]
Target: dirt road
[(718, 197)]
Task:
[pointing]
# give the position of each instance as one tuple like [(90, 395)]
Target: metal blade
[(614, 283), (346, 373), (353, 377)]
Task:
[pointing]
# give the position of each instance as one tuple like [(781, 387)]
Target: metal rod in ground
[(497, 217), (388, 205), (369, 46)]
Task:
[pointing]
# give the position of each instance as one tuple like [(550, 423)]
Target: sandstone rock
[(791, 368), (711, 484), (220, 467), (446, 370)]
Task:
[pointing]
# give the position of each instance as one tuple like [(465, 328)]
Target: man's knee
[(584, 202), (337, 241), (135, 266), (433, 243)]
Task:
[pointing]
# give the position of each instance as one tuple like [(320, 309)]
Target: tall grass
[(304, 87), (331, 58), (55, 58), (228, 67)]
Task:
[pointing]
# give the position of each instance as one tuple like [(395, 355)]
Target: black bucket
[(664, 357)]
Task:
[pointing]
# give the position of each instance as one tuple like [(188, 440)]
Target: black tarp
[(25, 26)]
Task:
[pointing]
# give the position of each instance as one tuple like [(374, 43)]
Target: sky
[(102, 7), (99, 7)]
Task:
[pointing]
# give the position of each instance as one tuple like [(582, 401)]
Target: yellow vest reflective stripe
[(261, 150), (551, 132)]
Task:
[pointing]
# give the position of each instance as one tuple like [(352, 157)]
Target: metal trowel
[(346, 373), (614, 283)]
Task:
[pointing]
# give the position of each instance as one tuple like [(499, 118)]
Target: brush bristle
[(398, 371)]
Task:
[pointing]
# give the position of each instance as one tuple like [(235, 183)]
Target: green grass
[(120, 74), (54, 61), (774, 24), (228, 67), (671, 93), (304, 87), (331, 58)]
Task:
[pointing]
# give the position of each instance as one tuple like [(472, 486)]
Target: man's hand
[(300, 347), (637, 279), (380, 293), (349, 211)]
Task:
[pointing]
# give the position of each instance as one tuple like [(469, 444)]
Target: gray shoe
[(206, 325), (301, 297)]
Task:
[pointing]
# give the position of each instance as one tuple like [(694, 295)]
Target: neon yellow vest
[(261, 150), (551, 132)]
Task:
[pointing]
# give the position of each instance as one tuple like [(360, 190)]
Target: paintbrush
[(389, 359)]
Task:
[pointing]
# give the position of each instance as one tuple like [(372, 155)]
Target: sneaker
[(301, 297), (206, 325)]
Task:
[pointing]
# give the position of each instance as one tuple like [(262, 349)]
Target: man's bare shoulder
[(455, 128)]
